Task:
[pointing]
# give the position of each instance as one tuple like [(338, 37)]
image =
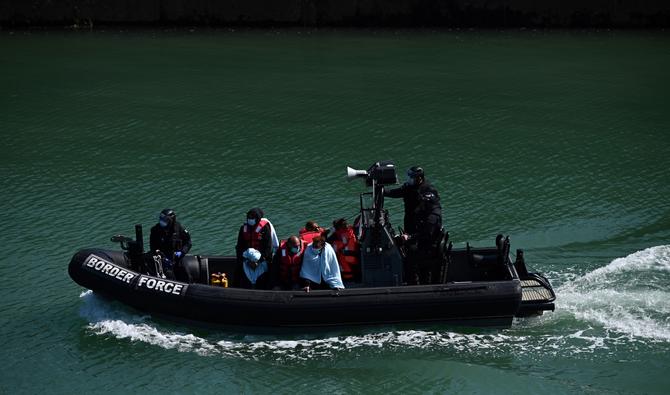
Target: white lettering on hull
[(116, 272), (165, 286)]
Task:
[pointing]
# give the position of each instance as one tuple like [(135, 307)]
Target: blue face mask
[(251, 221), (294, 250), (410, 181), (316, 250), (163, 223)]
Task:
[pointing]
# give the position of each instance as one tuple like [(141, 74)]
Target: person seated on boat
[(172, 240), (423, 223), (287, 264), (311, 230), (258, 233), (346, 246), (253, 272), (319, 266)]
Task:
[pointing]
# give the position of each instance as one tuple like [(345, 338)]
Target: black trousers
[(422, 261)]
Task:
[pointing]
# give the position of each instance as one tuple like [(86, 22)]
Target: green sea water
[(559, 139)]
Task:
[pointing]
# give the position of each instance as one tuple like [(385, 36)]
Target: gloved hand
[(177, 254)]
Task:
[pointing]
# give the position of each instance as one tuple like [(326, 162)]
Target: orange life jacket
[(348, 252), (252, 234), (308, 235), (289, 265)]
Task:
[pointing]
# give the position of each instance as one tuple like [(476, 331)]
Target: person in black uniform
[(170, 238), (423, 223)]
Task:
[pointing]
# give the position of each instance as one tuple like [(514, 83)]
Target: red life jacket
[(252, 234), (308, 235), (289, 265), (348, 252)]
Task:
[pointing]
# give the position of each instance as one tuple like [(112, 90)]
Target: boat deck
[(536, 297), (534, 291)]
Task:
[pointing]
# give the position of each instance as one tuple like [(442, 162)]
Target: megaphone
[(353, 173)]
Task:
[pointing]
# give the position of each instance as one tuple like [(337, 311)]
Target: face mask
[(163, 223), (316, 250), (294, 250), (251, 221), (410, 181)]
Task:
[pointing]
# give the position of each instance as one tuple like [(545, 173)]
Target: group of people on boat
[(305, 260), (315, 257)]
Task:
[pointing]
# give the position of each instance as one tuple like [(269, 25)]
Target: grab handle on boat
[(139, 239), (121, 239)]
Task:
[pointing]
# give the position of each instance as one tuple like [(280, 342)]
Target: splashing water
[(108, 319), (628, 296), (617, 308)]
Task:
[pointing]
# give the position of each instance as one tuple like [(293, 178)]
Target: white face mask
[(251, 221)]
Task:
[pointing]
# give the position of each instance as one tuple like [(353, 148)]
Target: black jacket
[(166, 239), (423, 211)]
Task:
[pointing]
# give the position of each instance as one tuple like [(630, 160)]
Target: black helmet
[(415, 171), (167, 217)]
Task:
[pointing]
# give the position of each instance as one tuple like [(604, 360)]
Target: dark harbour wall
[(321, 13)]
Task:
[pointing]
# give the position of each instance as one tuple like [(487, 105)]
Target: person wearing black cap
[(170, 238), (256, 232), (423, 223)]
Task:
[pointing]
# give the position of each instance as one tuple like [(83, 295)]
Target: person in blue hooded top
[(320, 269), (253, 273)]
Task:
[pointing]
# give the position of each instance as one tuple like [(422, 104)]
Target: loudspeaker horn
[(353, 173)]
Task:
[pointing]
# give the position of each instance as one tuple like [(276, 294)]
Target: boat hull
[(482, 303)]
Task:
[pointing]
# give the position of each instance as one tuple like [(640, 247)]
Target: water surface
[(559, 139)]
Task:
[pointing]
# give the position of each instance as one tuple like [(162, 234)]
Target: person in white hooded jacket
[(253, 273), (320, 269)]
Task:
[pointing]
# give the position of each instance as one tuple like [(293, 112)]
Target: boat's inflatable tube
[(491, 303)]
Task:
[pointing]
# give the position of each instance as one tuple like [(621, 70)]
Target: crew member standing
[(170, 238), (423, 223)]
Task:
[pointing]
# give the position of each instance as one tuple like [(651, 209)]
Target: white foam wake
[(629, 295), (106, 318), (611, 297)]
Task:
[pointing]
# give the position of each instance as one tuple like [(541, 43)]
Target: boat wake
[(629, 296), (110, 319), (622, 304)]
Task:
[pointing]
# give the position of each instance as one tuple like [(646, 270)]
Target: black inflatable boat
[(474, 286)]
